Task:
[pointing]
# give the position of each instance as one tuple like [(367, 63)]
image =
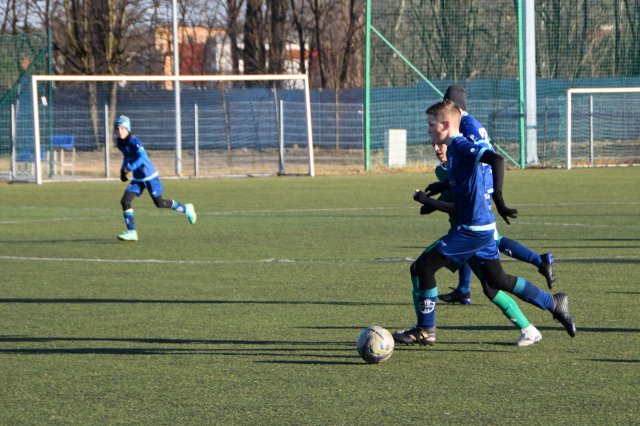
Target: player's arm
[(429, 205), (436, 188), (142, 157), (497, 168)]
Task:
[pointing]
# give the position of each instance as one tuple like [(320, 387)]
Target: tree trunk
[(315, 8), (278, 36), (233, 11), (297, 22), (254, 49)]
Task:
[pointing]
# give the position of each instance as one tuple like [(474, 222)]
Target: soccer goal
[(191, 126), (603, 126)]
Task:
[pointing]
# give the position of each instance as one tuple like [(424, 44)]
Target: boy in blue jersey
[(471, 129), (144, 177), (529, 334), (473, 240)]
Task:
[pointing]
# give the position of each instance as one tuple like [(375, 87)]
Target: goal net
[(191, 126), (603, 126)]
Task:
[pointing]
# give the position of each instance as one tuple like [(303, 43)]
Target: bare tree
[(254, 52), (277, 36), (627, 37), (95, 40), (297, 14), (338, 52), (317, 48), (233, 8), (10, 16)]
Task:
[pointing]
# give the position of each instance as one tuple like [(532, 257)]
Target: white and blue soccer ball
[(375, 344)]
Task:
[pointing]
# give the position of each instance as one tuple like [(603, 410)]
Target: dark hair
[(457, 94)]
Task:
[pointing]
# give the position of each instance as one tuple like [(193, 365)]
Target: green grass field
[(251, 315)]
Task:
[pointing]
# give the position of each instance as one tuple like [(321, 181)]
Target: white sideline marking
[(583, 225), (51, 219), (203, 262), (269, 261)]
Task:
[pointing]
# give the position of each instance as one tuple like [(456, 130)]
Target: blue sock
[(178, 206), (427, 307), (516, 250), (128, 219), (532, 294), (464, 278)]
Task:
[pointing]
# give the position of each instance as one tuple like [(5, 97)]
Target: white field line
[(331, 209), (257, 213), (265, 261), (204, 262), (515, 222), (580, 225)]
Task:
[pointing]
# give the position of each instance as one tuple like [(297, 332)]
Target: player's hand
[(123, 174), (420, 196), (435, 188), (503, 210)]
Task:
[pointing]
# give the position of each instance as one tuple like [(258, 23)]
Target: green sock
[(416, 291), (510, 309)]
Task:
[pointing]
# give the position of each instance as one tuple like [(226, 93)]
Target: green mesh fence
[(419, 48), (21, 56)]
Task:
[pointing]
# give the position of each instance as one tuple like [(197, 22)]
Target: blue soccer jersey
[(136, 159), (466, 178), (473, 130)]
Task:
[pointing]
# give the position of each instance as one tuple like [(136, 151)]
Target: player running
[(529, 334), (144, 177), (475, 132), (473, 240)]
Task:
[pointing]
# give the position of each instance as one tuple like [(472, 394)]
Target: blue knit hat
[(123, 121)]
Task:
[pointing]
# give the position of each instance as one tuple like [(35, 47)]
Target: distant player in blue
[(473, 240), (471, 129), (144, 177)]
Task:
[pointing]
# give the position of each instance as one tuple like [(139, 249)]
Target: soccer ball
[(375, 344)]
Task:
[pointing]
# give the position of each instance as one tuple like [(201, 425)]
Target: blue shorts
[(459, 245), (153, 186)]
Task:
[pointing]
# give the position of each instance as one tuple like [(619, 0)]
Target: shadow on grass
[(27, 339), (631, 361), (360, 362), (282, 352), (240, 352), (186, 301), (270, 348)]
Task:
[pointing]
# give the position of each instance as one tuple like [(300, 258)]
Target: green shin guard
[(511, 310), (416, 291)]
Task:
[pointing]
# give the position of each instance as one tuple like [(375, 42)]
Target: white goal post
[(304, 136), (617, 109)]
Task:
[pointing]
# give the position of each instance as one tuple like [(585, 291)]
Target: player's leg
[(129, 195), (425, 295), (462, 293), (557, 304), (529, 334), (155, 189), (544, 262)]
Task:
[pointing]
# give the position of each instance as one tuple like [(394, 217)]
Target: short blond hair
[(445, 110)]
